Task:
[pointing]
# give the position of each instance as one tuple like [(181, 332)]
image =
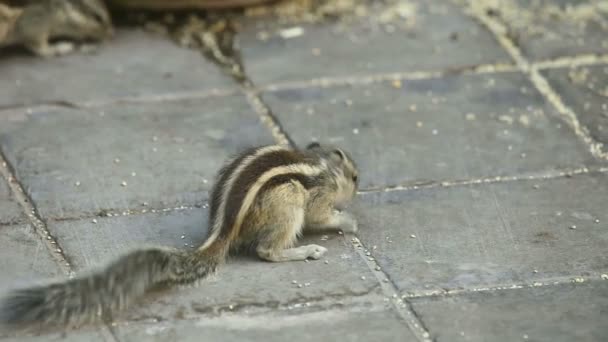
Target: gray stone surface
[(500, 260), (23, 258), (73, 162), (331, 325), (489, 235), (555, 28), (113, 72), (570, 312), (88, 335), (10, 212), (585, 90), (458, 127), (413, 42), (243, 281)]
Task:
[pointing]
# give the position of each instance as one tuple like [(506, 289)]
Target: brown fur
[(263, 199)]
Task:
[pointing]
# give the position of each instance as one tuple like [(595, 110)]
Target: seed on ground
[(94, 220), (413, 236), (123, 183), (572, 227), (362, 277)]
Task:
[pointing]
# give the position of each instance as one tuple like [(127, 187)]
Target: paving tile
[(10, 212), (546, 29), (121, 68), (585, 90), (334, 325), (87, 334), (23, 258), (488, 235), (243, 281), (74, 162), (554, 313), (414, 42), (457, 127)]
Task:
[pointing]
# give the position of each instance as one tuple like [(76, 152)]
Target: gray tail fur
[(101, 295)]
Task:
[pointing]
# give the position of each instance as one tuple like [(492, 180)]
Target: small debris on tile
[(397, 84), (292, 32), (413, 236), (418, 124), (355, 131), (155, 138), (133, 174), (94, 220), (362, 277), (123, 183), (183, 237), (77, 183), (572, 227), (326, 262), (597, 221), (413, 108), (604, 276), (470, 116), (116, 160)]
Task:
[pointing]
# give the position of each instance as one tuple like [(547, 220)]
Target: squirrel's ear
[(337, 155), (313, 145)]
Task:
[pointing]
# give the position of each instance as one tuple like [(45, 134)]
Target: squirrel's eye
[(355, 178)]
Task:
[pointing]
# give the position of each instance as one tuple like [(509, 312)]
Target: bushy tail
[(101, 295)]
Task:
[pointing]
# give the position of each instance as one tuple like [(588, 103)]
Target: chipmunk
[(38, 22), (262, 201)]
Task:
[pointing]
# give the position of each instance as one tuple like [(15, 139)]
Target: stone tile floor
[(479, 131)]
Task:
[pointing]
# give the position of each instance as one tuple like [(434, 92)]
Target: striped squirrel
[(34, 25), (262, 201)]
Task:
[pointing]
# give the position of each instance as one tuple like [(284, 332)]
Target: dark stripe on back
[(307, 182), (221, 179), (250, 175)]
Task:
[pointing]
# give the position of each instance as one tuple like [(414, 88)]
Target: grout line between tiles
[(40, 227), (401, 306)]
